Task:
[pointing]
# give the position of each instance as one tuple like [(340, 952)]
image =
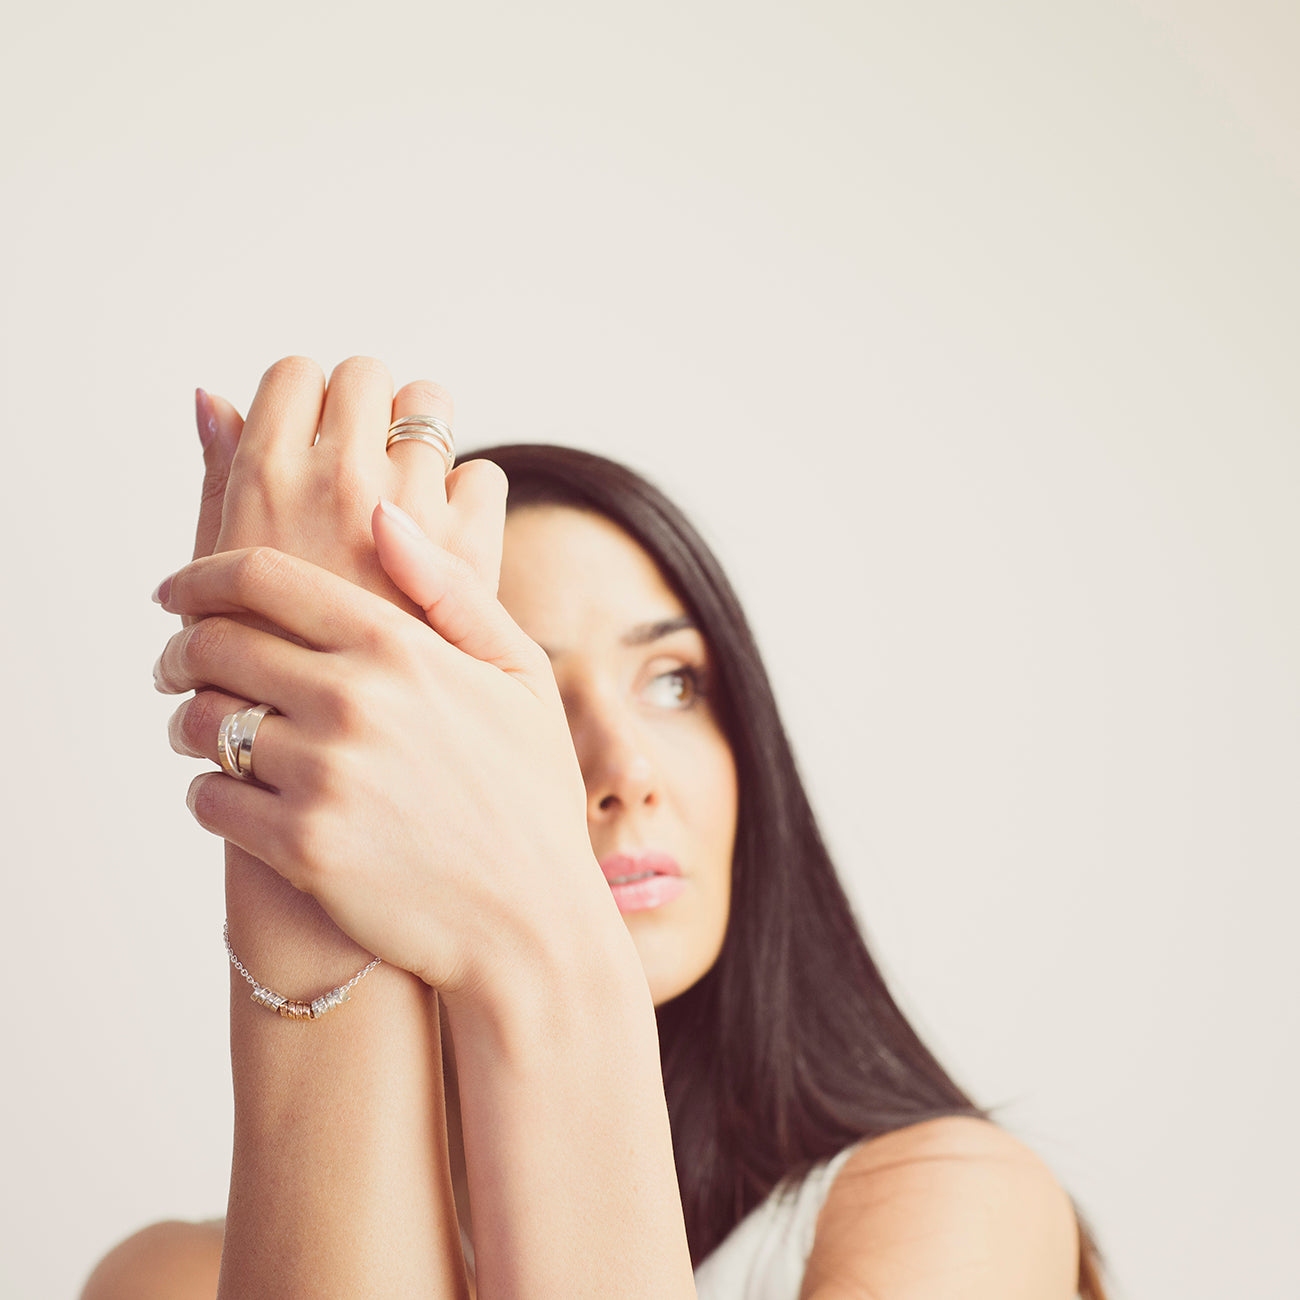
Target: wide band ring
[(235, 739), (428, 429)]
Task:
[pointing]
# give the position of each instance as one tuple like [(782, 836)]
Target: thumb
[(219, 428), (456, 602)]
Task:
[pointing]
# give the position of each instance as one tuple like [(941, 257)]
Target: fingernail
[(401, 518), (205, 416), (157, 673), (163, 590)]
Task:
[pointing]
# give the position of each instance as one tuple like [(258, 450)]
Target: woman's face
[(634, 676)]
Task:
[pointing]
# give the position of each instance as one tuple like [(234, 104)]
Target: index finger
[(318, 607)]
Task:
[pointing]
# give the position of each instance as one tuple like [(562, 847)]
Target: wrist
[(564, 978), (283, 936), (562, 1107)]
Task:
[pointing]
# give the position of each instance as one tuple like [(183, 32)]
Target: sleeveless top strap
[(765, 1254)]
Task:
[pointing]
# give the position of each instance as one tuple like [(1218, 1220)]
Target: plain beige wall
[(968, 331)]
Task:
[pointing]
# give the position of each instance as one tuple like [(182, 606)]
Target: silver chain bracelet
[(288, 1007)]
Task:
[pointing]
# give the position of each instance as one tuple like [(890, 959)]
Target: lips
[(640, 881)]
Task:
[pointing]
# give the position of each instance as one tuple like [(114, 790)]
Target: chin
[(674, 957), (668, 981)]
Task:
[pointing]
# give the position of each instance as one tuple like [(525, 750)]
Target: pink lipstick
[(640, 881)]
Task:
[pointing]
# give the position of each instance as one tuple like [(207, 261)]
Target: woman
[(623, 1085)]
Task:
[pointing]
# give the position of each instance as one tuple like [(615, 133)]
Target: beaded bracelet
[(288, 1007)]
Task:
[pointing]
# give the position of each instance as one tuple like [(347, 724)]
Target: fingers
[(424, 397), (244, 661), (194, 727), (476, 493), (285, 413), (421, 468), (219, 428), (239, 811), (308, 602), (458, 605), (358, 403)]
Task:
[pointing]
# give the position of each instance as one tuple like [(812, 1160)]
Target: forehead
[(571, 577)]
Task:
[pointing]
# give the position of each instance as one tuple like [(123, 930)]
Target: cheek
[(718, 786), (728, 799), (712, 790)]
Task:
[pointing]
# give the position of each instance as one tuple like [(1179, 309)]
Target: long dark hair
[(791, 1047)]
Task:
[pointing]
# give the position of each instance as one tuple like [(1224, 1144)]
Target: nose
[(617, 767)]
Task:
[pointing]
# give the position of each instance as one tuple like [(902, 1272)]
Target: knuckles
[(256, 570), (426, 397), (201, 645), (342, 705), (362, 369), (388, 640), (488, 477), (402, 646), (192, 728), (293, 371), (346, 485), (205, 800), (305, 846)]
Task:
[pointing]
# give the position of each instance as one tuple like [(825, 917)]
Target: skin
[(657, 770), (465, 866), (545, 1029)]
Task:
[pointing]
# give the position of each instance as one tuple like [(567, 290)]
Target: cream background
[(968, 332)]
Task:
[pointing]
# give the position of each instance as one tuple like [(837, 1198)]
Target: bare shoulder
[(951, 1206), (165, 1261)]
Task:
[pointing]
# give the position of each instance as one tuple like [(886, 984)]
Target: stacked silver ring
[(428, 429), (235, 740)]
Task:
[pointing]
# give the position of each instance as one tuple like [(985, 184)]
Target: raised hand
[(419, 780), (424, 786), (422, 782), (304, 471), (219, 427)]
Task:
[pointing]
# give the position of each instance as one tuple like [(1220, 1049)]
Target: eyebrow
[(643, 633)]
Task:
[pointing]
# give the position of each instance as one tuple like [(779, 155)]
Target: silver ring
[(226, 751), (428, 429), (235, 739)]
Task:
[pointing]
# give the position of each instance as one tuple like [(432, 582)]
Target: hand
[(219, 426), (282, 486), (305, 473), (424, 785)]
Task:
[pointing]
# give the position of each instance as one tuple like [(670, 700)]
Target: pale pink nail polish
[(401, 518), (205, 416)]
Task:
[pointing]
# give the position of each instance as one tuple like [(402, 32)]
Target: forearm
[(569, 1153), (340, 1182)]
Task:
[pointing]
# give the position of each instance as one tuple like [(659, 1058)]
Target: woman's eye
[(678, 689)]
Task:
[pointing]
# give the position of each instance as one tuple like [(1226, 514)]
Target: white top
[(764, 1256)]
